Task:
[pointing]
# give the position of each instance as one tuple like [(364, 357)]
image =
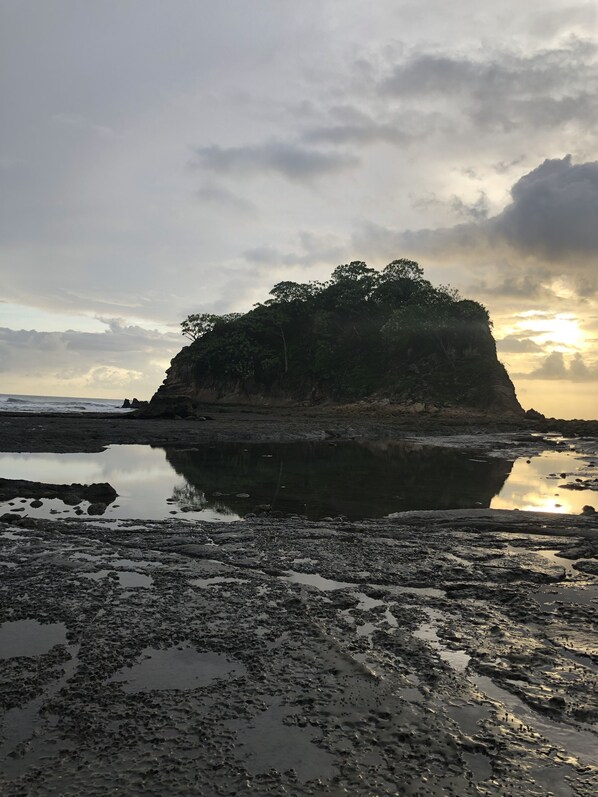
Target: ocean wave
[(58, 404)]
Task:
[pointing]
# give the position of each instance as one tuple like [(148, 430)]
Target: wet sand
[(429, 653)]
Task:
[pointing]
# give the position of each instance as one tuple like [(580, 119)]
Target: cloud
[(547, 233), (556, 367), (474, 211), (312, 249), (529, 286), (517, 345), (582, 16), (103, 376), (293, 161), (123, 356), (221, 198), (502, 89), (363, 133), (554, 210)]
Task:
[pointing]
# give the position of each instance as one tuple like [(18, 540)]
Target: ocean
[(13, 402)]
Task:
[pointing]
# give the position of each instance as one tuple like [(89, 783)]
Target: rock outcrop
[(389, 337), (134, 404), (71, 494)]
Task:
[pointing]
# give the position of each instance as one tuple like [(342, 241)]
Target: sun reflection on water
[(536, 484)]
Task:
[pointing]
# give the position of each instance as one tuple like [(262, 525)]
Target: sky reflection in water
[(225, 482)]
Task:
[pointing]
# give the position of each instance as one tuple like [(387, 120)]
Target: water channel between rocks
[(316, 479)]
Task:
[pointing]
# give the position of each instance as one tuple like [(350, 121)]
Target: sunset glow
[(160, 163), (562, 331)]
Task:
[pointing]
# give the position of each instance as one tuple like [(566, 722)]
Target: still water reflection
[(358, 480)]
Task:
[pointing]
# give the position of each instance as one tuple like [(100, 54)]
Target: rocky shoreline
[(434, 654), (426, 653), (72, 432)]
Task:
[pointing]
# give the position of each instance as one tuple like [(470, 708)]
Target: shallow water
[(581, 743), (179, 668), (126, 578), (30, 638), (315, 580), (357, 480), (268, 742), (582, 595), (536, 484), (428, 633)]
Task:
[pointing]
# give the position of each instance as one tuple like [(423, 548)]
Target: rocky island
[(387, 336)]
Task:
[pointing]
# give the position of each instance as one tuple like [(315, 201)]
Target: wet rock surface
[(434, 653), (88, 432), (71, 494)]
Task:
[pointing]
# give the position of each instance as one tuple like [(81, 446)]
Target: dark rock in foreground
[(71, 494)]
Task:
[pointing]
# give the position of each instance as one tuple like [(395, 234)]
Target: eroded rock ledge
[(428, 654)]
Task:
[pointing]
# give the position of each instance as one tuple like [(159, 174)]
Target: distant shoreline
[(85, 431)]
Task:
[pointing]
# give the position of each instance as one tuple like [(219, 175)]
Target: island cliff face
[(387, 337)]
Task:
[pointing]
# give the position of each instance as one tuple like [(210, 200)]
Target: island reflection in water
[(316, 479), (357, 480)]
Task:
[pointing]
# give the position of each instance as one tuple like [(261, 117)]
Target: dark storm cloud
[(549, 230), (554, 211), (293, 161)]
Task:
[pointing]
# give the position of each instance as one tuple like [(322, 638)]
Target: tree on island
[(198, 324)]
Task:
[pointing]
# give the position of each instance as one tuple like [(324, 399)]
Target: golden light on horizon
[(562, 330)]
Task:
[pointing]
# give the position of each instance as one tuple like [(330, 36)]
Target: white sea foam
[(13, 402)]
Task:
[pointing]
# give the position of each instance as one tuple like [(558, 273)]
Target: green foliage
[(364, 331), (356, 271), (402, 269), (286, 292), (196, 325)]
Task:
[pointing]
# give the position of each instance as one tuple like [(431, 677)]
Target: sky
[(160, 159)]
